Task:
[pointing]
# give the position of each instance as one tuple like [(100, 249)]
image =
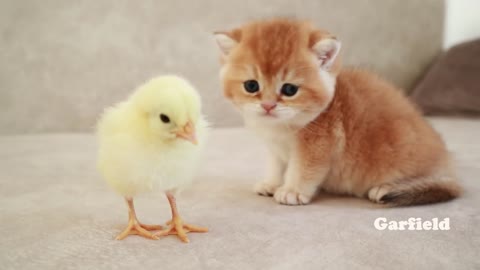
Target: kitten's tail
[(422, 191)]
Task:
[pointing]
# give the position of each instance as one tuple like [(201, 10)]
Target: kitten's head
[(279, 71)]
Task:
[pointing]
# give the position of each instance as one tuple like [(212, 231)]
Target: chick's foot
[(176, 226), (136, 228)]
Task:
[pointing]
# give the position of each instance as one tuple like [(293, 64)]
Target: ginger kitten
[(345, 131)]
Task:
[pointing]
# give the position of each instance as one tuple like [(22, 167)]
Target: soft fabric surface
[(452, 86), (81, 56), (56, 213)]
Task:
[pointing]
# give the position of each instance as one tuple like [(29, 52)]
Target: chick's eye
[(289, 90), (251, 86), (165, 119)]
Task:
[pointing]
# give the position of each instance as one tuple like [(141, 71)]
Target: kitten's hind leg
[(274, 178), (376, 193)]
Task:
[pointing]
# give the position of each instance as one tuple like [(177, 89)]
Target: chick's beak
[(188, 133)]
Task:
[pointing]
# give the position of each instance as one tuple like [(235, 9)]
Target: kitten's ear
[(326, 47), (226, 41)]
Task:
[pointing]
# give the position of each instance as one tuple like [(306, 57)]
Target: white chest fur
[(279, 140)]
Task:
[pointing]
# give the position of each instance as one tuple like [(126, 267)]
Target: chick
[(151, 143)]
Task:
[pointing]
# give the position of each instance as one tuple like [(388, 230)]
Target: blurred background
[(64, 61)]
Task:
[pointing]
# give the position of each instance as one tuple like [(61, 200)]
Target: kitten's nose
[(268, 106)]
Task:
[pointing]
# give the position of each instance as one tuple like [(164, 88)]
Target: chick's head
[(169, 107)]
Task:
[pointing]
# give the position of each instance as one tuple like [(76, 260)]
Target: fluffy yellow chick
[(151, 143)]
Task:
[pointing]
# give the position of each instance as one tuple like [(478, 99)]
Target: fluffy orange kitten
[(345, 131)]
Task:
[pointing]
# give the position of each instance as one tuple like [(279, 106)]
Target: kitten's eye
[(165, 119), (289, 90), (251, 86)]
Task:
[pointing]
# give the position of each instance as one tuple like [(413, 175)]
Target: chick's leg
[(176, 225), (135, 227)]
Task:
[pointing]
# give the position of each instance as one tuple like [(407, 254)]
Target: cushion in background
[(452, 86)]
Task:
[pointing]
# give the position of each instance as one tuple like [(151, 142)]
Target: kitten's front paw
[(289, 196), (265, 188)]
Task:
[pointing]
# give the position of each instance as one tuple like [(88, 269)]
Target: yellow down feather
[(138, 152)]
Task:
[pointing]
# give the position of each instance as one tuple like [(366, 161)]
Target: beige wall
[(62, 61)]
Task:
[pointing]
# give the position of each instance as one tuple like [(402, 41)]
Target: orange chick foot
[(136, 228), (176, 226)]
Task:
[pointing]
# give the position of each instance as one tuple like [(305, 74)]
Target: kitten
[(345, 131)]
